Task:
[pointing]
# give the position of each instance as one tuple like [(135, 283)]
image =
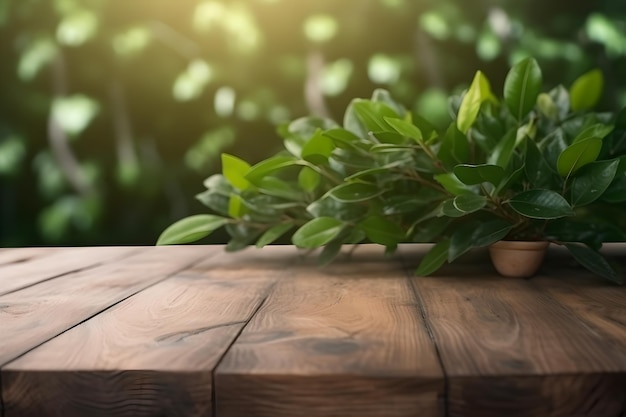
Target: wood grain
[(498, 332), (17, 255), (35, 314), (153, 354), (55, 263), (343, 341)]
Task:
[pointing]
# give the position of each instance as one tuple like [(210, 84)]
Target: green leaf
[(430, 230), (536, 167), (578, 155), (319, 145), (452, 184), (278, 188), (476, 235), (373, 114), (342, 138), (308, 179), (616, 193), (477, 174), (478, 92), (469, 203), (329, 207), (236, 209), (503, 150), (355, 192), (406, 129), (317, 232), (191, 228), (434, 259), (455, 148), (541, 204), (586, 90), (273, 233), (448, 209), (330, 251), (235, 170), (382, 231), (268, 166), (594, 262), (547, 106), (592, 181), (598, 130), (521, 87)]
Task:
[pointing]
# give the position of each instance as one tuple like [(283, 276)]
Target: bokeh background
[(112, 112)]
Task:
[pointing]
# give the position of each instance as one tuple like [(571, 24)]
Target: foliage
[(527, 167), (111, 112)]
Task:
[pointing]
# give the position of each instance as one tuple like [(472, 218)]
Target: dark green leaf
[(592, 181), (382, 231), (578, 155), (541, 204), (318, 145), (329, 207), (586, 90), (616, 192), (477, 174), (536, 167), (598, 130), (330, 251), (342, 138), (276, 187), (522, 86), (594, 262), (447, 208), (455, 148), (355, 192), (434, 259), (503, 150), (191, 229), (476, 235), (429, 231), (317, 232)]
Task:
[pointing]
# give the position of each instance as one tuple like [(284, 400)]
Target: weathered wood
[(35, 314), (152, 354), (508, 348), (17, 255), (343, 341), (15, 276)]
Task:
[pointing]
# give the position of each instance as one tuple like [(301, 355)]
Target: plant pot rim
[(521, 244)]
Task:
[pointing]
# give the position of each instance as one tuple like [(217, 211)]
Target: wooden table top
[(193, 331)]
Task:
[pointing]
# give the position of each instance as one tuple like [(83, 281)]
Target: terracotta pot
[(517, 259)]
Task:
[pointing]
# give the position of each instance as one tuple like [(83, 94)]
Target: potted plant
[(532, 166)]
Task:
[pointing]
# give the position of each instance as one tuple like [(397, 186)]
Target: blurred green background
[(113, 112)]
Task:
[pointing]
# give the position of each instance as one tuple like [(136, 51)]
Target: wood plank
[(35, 314), (345, 341), (508, 348), (153, 354), (16, 255), (57, 263)]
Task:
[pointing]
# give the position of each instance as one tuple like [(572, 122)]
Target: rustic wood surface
[(193, 331)]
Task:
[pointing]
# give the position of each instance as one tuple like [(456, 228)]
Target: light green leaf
[(477, 174), (308, 179), (594, 262), (268, 166), (318, 146), (469, 203), (273, 233), (452, 184), (522, 86), (382, 231), (355, 192), (235, 170), (317, 232), (236, 209), (592, 181), (191, 229), (541, 204), (578, 155), (406, 129), (586, 90), (478, 92), (434, 259)]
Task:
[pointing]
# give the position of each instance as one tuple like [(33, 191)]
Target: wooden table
[(191, 331)]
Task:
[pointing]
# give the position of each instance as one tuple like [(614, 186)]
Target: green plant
[(532, 166)]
